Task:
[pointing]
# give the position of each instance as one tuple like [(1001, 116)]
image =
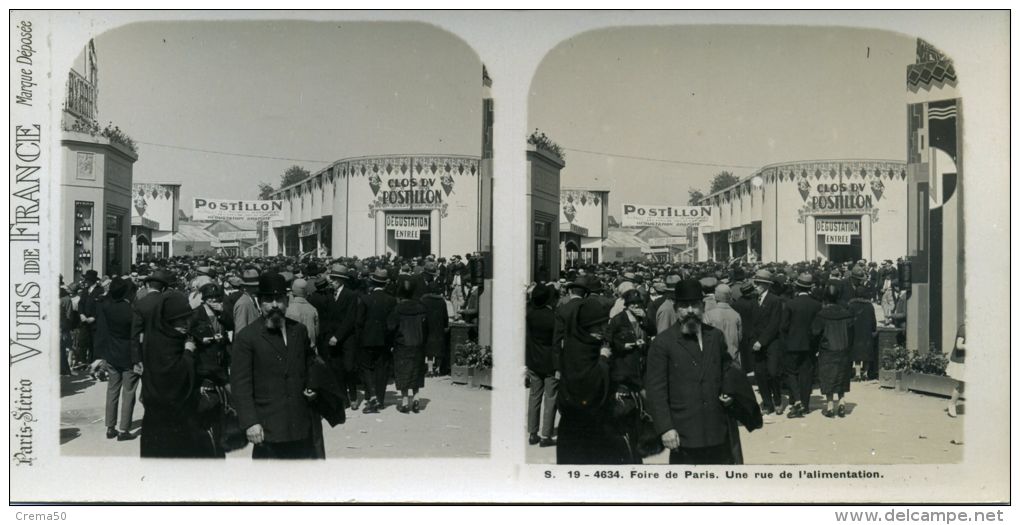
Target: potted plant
[(462, 370), (483, 368), (893, 364), (928, 373)]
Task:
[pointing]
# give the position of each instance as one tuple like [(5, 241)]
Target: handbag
[(648, 441), (233, 437)]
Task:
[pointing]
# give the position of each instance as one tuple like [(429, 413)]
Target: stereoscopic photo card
[(599, 257)]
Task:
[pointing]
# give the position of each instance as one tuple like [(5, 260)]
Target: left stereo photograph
[(274, 241)]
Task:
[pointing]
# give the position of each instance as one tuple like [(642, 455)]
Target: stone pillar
[(702, 252), (811, 238), (272, 241), (380, 233), (436, 233), (866, 236)]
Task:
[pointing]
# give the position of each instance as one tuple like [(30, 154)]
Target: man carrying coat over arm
[(269, 379), (683, 384)]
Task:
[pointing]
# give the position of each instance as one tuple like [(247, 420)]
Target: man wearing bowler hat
[(269, 379), (799, 354), (684, 382), (763, 337)]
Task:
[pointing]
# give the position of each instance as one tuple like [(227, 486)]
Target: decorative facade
[(415, 204), (836, 209), (154, 216), (95, 183), (935, 227), (584, 215)]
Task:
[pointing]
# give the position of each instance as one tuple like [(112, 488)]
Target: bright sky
[(298, 90), (742, 97)]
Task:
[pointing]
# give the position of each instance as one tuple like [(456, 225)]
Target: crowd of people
[(230, 351), (638, 357)]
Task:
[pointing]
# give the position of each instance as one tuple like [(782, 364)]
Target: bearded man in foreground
[(684, 384), (269, 378)]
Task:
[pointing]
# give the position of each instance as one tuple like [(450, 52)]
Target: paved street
[(882, 426), (454, 422)]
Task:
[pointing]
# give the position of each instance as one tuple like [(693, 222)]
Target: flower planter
[(483, 377), (461, 374), (888, 378), (930, 384)]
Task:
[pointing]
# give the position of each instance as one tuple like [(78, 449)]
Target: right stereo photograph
[(746, 247)]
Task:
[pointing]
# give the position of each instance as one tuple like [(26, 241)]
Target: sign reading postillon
[(235, 210), (641, 215)]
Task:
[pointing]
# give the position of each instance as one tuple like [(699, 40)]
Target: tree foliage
[(694, 196), (265, 191), (293, 174), (723, 180)]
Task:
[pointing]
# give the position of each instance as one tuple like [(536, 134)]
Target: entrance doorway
[(841, 253), (409, 234), (420, 247)]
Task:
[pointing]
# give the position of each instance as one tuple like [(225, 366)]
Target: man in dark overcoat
[(269, 379), (91, 294), (542, 364), (375, 341), (763, 337), (339, 331), (143, 312), (800, 351), (576, 291), (683, 383)]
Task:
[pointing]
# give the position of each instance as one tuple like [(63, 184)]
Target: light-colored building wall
[(361, 192), (97, 171), (543, 180), (790, 198)]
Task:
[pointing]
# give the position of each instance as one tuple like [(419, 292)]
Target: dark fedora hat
[(592, 312), (119, 289), (160, 276), (272, 284), (211, 291), (688, 292), (91, 276), (540, 295), (581, 282), (175, 306)]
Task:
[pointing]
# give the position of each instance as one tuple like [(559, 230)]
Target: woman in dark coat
[(865, 329), (171, 426), (409, 324), (628, 343), (113, 349), (834, 327), (587, 434)]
